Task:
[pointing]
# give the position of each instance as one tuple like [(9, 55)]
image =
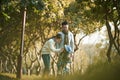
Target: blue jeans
[(46, 60)]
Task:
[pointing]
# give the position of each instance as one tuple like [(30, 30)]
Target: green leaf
[(6, 16)]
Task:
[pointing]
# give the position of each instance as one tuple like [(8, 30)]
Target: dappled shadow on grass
[(5, 77)]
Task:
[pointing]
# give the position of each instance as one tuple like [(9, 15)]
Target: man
[(47, 49), (67, 40)]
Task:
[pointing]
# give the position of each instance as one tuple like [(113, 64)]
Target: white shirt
[(49, 47), (70, 41)]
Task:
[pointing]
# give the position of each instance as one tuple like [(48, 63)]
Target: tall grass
[(98, 71)]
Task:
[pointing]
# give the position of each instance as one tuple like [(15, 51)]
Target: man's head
[(58, 38), (65, 27)]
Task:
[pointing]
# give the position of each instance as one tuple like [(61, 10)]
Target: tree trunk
[(113, 39), (19, 69), (1, 66), (110, 40), (109, 34)]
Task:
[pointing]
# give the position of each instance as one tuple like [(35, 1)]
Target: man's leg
[(60, 64), (67, 64)]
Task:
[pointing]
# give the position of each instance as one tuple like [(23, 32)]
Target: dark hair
[(65, 23), (58, 36)]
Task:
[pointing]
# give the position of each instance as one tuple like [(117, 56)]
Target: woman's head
[(58, 38)]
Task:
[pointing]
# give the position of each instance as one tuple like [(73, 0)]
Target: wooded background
[(43, 20)]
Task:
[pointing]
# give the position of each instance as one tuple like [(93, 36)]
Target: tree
[(91, 14), (111, 14), (41, 23)]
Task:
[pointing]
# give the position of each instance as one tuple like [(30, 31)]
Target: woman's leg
[(46, 60)]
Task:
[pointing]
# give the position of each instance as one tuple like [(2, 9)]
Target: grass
[(99, 71), (7, 76)]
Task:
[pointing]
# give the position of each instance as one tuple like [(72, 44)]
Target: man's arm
[(72, 42)]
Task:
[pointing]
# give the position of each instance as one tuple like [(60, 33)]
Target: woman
[(47, 49)]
